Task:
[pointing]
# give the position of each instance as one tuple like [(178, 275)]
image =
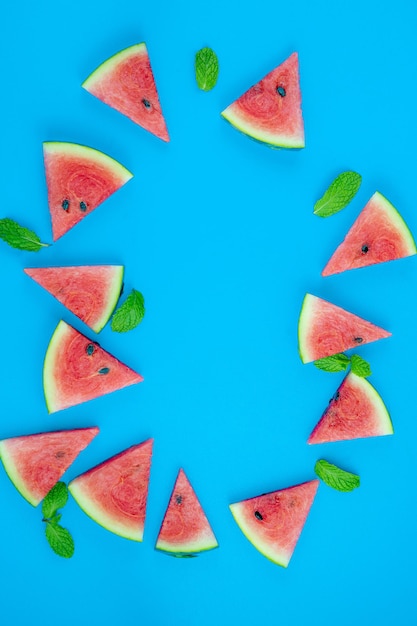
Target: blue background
[(218, 233)]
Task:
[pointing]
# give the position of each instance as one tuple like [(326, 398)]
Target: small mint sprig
[(340, 362), (59, 538), (20, 237), (206, 67), (335, 477), (130, 313), (341, 191)]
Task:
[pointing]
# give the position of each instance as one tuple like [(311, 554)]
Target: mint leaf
[(130, 313), (339, 194), (333, 363), (60, 540), (335, 477), (359, 366), (54, 500), (19, 237), (206, 68)]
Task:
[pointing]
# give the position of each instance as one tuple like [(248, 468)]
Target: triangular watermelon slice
[(270, 111), (126, 83), (185, 529), (273, 521), (77, 369), (325, 329), (78, 180), (114, 494), (379, 234), (355, 411), (35, 463), (90, 292)]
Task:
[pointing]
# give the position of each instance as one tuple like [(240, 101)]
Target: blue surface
[(218, 233)]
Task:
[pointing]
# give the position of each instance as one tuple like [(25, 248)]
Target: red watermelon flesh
[(114, 494), (185, 529), (273, 521), (379, 234), (91, 292), (270, 111), (35, 463), (78, 180), (325, 329), (355, 411), (126, 83), (77, 369)]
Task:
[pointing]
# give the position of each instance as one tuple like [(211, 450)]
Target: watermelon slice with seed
[(325, 329), (90, 292), (185, 530), (379, 234), (356, 411), (77, 369), (270, 111), (78, 179), (273, 521), (114, 494), (35, 463), (126, 83)]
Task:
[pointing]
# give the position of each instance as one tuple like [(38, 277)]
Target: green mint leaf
[(60, 540), (335, 477), (130, 313), (333, 363), (55, 519), (339, 194), (359, 366), (54, 500), (19, 237), (206, 68)]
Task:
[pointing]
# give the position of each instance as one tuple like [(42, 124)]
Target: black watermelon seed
[(65, 205), (60, 454), (83, 206), (364, 249), (258, 515), (104, 370), (146, 103), (281, 91), (178, 499), (90, 349), (358, 339)]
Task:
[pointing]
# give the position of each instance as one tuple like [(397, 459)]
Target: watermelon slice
[(270, 111), (77, 369), (78, 180), (126, 83), (273, 521), (379, 234), (355, 411), (326, 329), (114, 493), (35, 463), (91, 292), (185, 529)]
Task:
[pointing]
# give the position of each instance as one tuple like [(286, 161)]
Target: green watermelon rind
[(384, 418), (97, 157), (113, 296), (14, 474), (193, 548), (303, 325), (111, 62), (98, 515), (260, 545), (275, 141), (53, 349)]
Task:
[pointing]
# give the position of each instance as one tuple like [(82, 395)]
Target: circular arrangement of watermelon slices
[(77, 369)]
